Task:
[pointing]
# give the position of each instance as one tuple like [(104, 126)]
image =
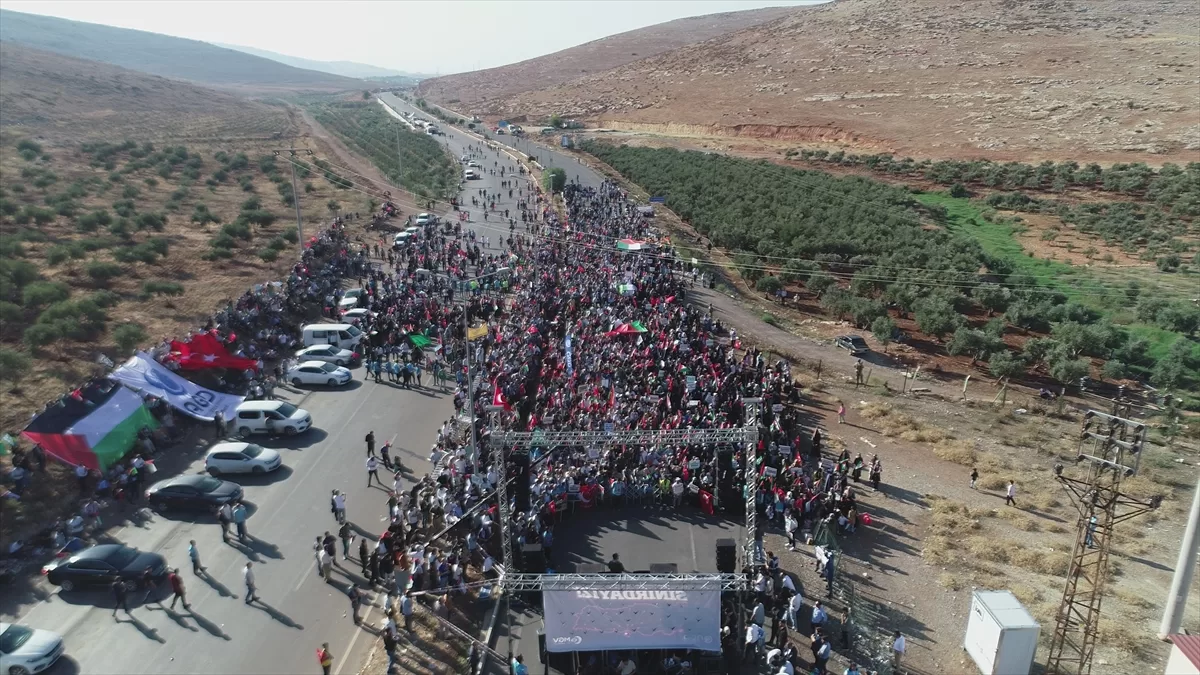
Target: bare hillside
[(49, 94), (479, 88), (165, 55), (992, 78)]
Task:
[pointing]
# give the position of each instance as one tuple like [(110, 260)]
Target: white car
[(424, 219), (241, 457), (327, 353), (25, 651), (318, 372), (473, 164), (350, 298), (356, 315)]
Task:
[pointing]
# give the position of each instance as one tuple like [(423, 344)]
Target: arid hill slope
[(1005, 79), (48, 94), (469, 90)]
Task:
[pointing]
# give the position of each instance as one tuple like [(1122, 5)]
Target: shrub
[(258, 217), (128, 336), (10, 315), (42, 293), (202, 215), (769, 285), (131, 192), (239, 229), (151, 181), (268, 254), (223, 242), (160, 287), (252, 204), (104, 298), (290, 235), (41, 335), (152, 221), (103, 272), (14, 365), (277, 244)]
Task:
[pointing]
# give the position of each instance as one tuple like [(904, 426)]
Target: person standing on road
[(347, 538), (385, 454), (218, 426), (841, 412), (121, 595), (149, 585), (338, 505), (1010, 494), (364, 557), (194, 556), (406, 608), (898, 647), (177, 589), (858, 376), (248, 577), (325, 658), (324, 564), (356, 600), (373, 471), (239, 519), (370, 439), (974, 476)]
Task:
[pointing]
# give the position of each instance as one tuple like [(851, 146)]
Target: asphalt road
[(289, 509)]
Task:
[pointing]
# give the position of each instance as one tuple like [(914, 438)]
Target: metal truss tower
[(1111, 446)]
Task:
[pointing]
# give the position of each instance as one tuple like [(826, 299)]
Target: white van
[(470, 174), (270, 417), (343, 335)]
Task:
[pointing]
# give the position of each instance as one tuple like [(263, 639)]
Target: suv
[(852, 343), (270, 417)]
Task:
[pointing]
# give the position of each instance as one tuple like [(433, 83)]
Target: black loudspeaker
[(726, 556), (542, 647), (533, 559), (520, 461)]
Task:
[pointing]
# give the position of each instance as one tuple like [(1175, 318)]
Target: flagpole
[(470, 382)]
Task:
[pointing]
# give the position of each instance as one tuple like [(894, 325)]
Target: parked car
[(103, 564), (326, 353), (424, 219), (25, 651), (351, 298), (194, 491), (241, 457), (356, 315), (270, 417), (318, 372), (852, 343), (473, 164)]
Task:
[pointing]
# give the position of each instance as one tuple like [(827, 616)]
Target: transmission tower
[(1111, 448)]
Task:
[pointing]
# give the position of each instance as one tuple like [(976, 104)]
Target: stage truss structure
[(508, 442)]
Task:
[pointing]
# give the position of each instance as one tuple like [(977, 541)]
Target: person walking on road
[(974, 476), (337, 504), (325, 658), (149, 585), (324, 564), (121, 595), (248, 577), (347, 538), (356, 600), (364, 556), (841, 412), (1010, 494), (239, 519), (225, 517), (218, 426), (177, 590), (370, 439), (373, 471), (406, 608), (194, 556), (385, 454)]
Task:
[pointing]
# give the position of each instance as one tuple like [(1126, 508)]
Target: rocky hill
[(1002, 79), (51, 95), (478, 89), (164, 55)]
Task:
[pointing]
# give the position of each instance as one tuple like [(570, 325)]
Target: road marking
[(692, 537), (357, 633)]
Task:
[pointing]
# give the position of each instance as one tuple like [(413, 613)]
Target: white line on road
[(692, 536)]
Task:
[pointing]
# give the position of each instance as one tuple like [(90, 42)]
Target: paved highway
[(290, 508)]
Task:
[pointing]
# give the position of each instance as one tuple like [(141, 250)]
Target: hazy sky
[(418, 36)]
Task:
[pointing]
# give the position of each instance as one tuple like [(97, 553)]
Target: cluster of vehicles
[(412, 234)]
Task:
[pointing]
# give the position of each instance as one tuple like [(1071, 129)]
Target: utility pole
[(296, 194), (1111, 447), (1185, 569)]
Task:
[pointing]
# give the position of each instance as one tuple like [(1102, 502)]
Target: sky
[(418, 36)]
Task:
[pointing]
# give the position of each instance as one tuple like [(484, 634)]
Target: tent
[(94, 426)]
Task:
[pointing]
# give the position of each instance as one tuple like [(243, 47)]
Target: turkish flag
[(205, 351), (498, 399)]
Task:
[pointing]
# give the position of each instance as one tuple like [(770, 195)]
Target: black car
[(104, 564), (196, 491)]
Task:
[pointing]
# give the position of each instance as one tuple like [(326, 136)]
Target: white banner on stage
[(641, 619), (142, 373)]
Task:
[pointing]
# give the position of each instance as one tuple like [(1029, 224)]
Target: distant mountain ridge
[(343, 68), (164, 55)]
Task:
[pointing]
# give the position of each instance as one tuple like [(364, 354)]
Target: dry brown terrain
[(928, 78), (480, 88)]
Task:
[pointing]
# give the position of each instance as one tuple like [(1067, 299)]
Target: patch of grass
[(950, 582), (956, 452), (1051, 563), (1019, 520), (992, 482), (894, 423), (990, 549)]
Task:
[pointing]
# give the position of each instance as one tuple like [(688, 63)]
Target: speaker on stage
[(520, 461), (726, 556)]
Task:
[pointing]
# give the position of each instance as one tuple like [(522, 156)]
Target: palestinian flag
[(630, 245), (420, 341), (94, 426)]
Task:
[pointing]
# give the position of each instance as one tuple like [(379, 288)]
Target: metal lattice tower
[(1112, 447), (751, 555)]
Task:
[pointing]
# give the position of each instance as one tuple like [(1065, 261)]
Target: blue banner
[(570, 365)]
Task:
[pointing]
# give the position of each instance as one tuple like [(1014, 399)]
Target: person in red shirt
[(325, 658), (177, 589)]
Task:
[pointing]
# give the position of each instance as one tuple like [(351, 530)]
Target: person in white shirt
[(899, 645), (754, 638), (626, 667), (794, 607), (677, 492)]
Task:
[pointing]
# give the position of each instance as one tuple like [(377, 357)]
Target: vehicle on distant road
[(328, 353), (852, 343), (318, 372), (103, 564), (425, 219), (241, 457), (470, 174), (26, 651), (195, 492)]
